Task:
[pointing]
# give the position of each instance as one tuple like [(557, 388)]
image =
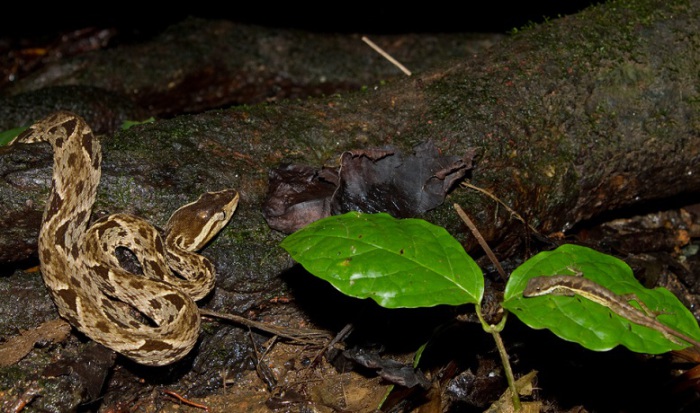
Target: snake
[(149, 314)]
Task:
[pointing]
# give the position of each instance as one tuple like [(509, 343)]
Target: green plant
[(8, 135), (128, 124), (411, 263)]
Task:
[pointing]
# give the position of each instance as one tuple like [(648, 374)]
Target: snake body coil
[(151, 317)]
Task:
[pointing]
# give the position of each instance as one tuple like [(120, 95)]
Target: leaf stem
[(495, 330), (506, 367)]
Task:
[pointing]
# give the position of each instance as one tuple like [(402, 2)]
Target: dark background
[(371, 17)]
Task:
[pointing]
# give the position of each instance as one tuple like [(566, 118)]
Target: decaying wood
[(582, 115), (200, 64)]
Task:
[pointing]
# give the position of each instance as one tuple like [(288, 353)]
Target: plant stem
[(506, 366), (495, 331)]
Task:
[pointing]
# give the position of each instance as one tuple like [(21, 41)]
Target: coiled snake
[(87, 283)]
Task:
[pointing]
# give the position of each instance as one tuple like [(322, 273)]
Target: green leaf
[(586, 322), (127, 124), (7, 135), (396, 262)]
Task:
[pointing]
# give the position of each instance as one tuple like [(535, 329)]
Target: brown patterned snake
[(90, 288)]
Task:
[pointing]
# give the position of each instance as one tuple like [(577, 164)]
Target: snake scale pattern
[(150, 317)]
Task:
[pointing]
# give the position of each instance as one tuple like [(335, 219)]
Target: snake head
[(195, 224)]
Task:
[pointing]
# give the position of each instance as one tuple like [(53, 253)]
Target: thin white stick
[(386, 55)]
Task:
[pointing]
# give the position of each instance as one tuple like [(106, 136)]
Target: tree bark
[(200, 64), (584, 114)]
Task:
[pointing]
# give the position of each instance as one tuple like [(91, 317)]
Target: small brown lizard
[(570, 285)]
